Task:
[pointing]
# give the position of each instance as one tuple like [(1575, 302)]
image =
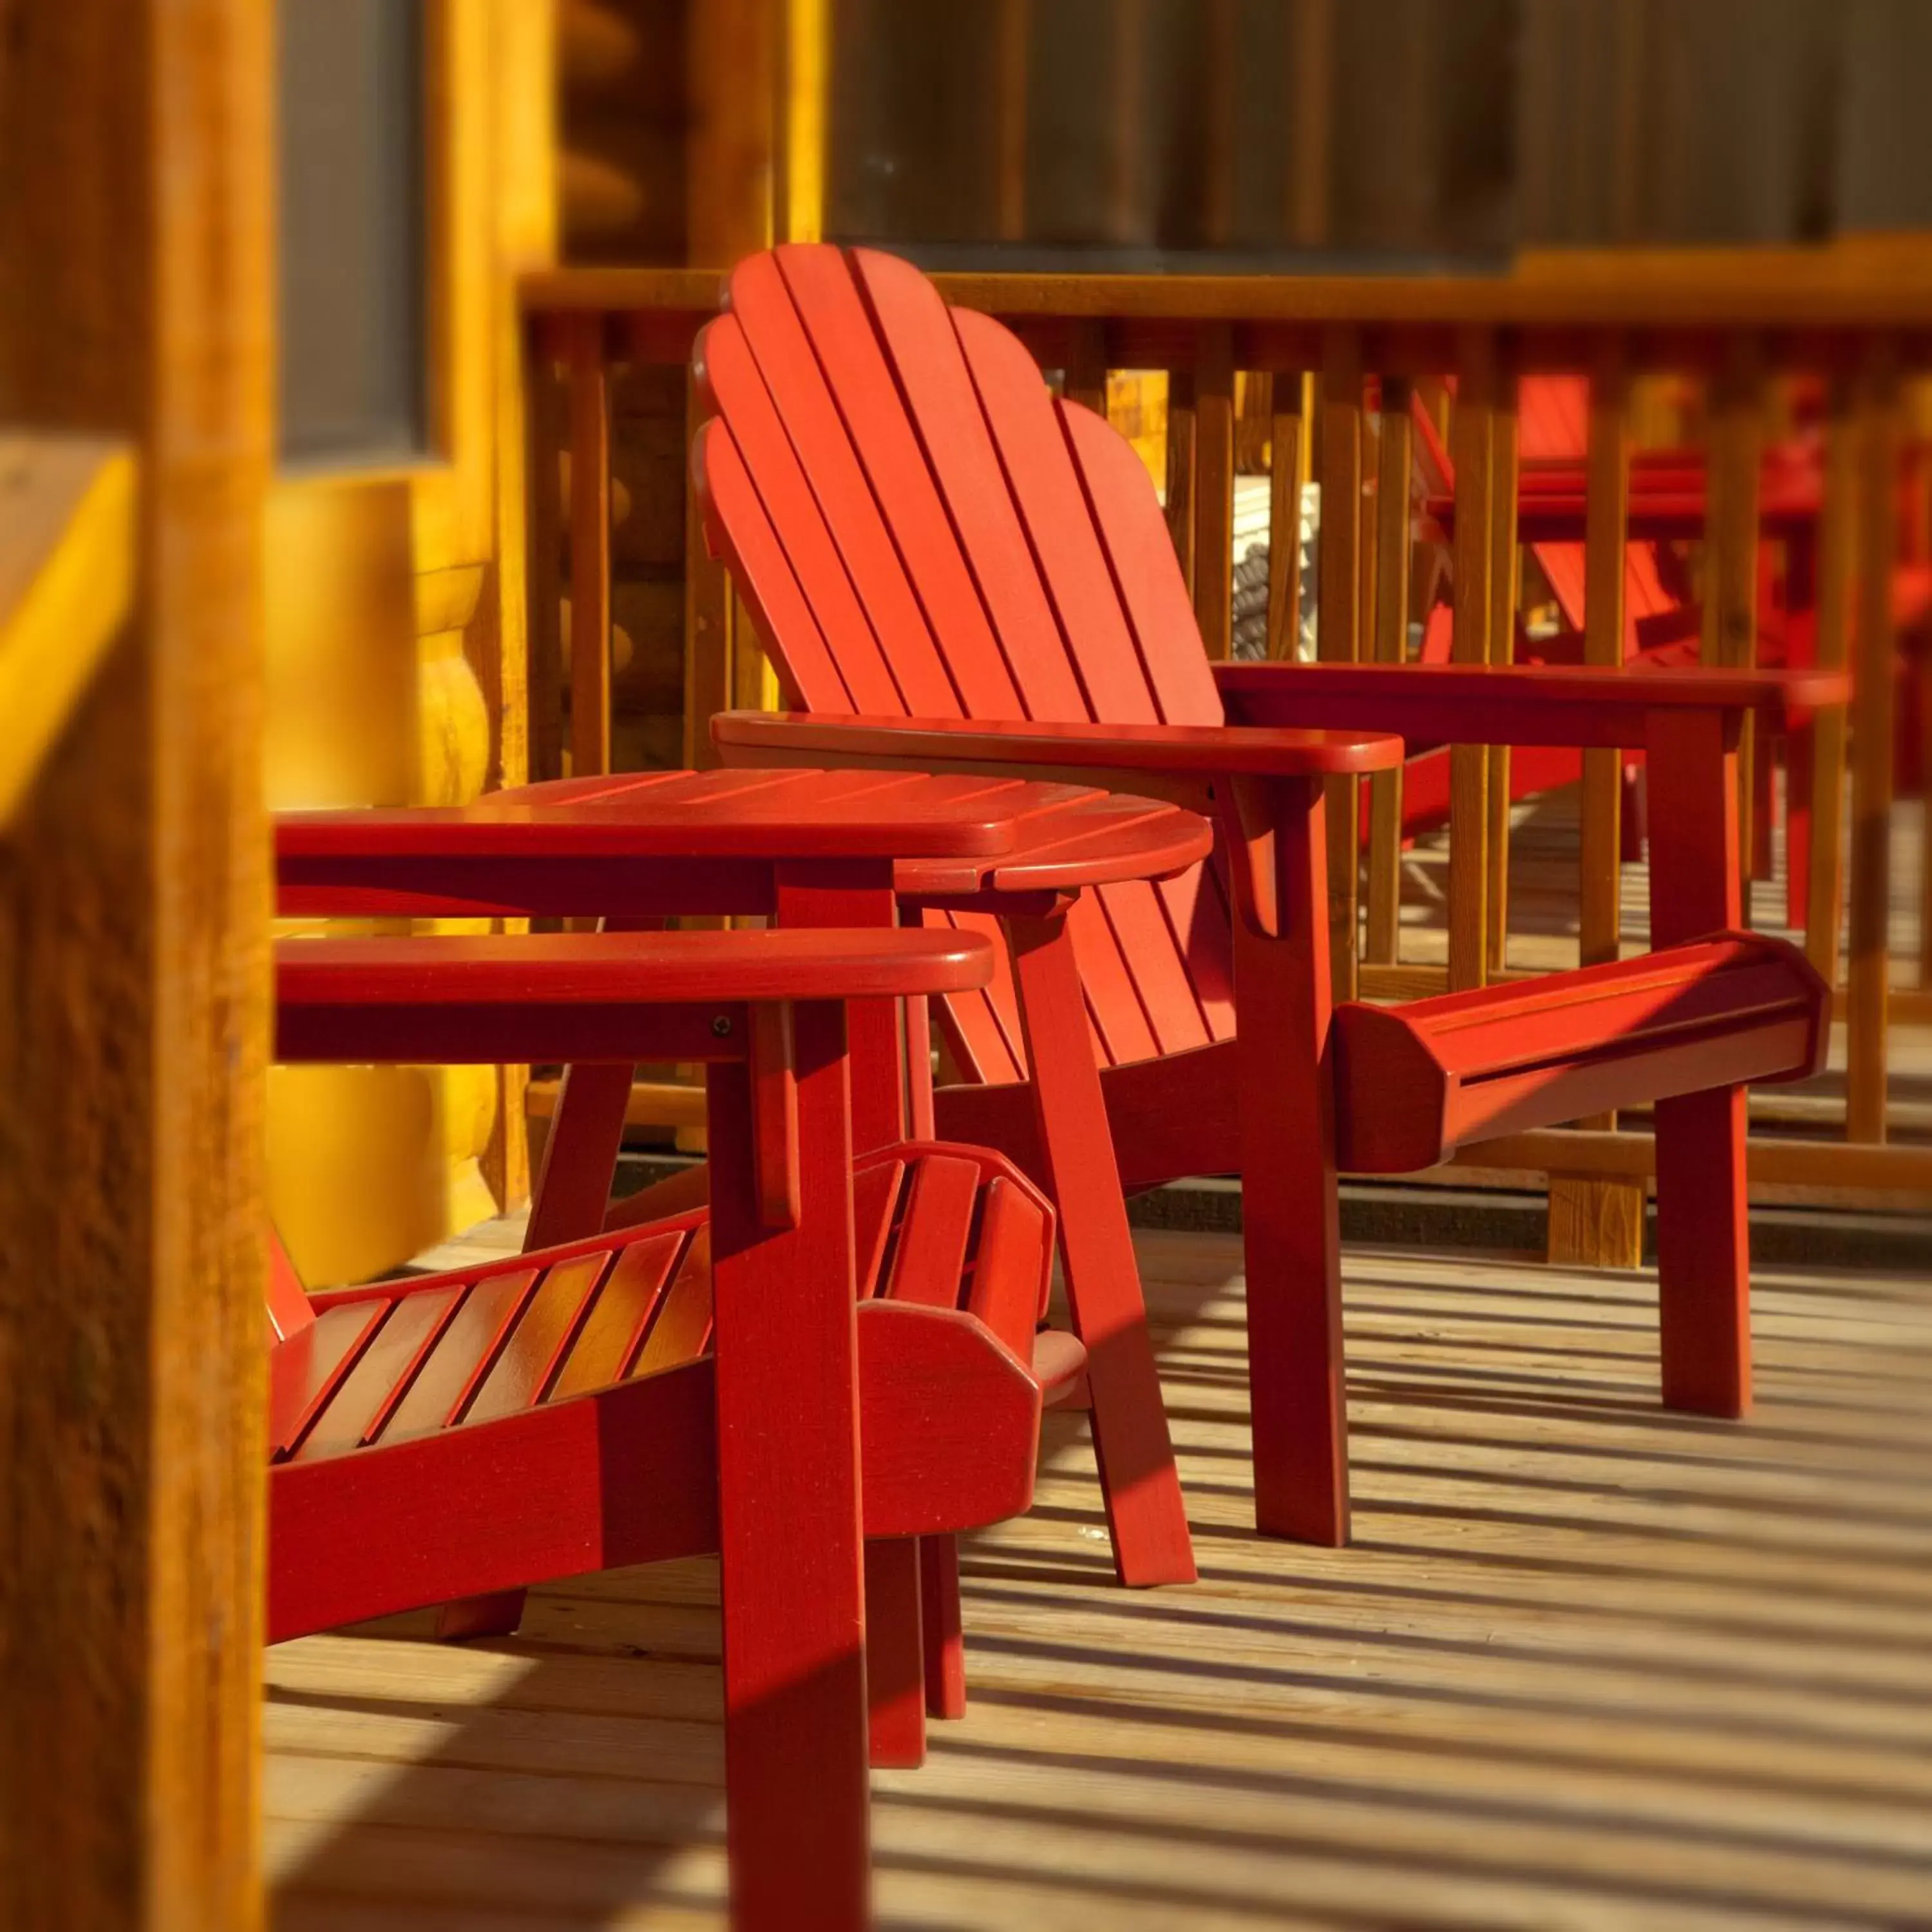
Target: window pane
[(353, 338)]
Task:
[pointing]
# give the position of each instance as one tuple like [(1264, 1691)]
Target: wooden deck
[(1587, 1665)]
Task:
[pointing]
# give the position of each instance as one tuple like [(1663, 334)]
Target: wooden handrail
[(1866, 284), (66, 579)]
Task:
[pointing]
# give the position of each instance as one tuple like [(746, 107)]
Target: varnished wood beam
[(136, 178)]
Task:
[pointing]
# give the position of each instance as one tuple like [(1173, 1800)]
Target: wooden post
[(1393, 562), (1597, 1221), (1339, 623), (1731, 539), (1288, 471), (589, 548), (1870, 967), (1013, 28), (1837, 539), (804, 112), (1214, 489), (546, 433), (1180, 442), (1503, 561), (1310, 136), (708, 604), (1087, 366), (136, 178), (1474, 561)]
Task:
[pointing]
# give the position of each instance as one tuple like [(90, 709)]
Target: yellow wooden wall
[(397, 648)]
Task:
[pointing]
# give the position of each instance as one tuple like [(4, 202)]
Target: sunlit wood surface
[(1587, 1665)]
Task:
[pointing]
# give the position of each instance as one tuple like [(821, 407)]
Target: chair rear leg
[(1703, 1253), (940, 1626), (895, 1655), (497, 1615), (1138, 1480)]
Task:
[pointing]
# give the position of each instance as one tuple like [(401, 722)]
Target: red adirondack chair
[(699, 1383), (927, 538)]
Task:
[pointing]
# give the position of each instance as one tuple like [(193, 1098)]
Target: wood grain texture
[(132, 1037)]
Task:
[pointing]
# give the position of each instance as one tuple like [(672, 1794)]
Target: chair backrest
[(921, 529), (1553, 420)]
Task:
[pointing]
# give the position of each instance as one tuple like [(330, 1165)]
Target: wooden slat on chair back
[(935, 536)]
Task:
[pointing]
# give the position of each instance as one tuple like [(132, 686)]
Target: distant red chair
[(926, 539), (696, 1384)]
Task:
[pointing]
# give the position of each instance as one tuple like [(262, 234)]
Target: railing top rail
[(1877, 284)]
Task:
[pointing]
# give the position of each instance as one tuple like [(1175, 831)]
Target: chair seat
[(532, 1382), (937, 1226)]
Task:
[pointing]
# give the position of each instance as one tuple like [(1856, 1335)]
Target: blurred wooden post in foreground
[(135, 307)]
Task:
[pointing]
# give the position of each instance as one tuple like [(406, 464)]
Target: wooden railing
[(1728, 349)]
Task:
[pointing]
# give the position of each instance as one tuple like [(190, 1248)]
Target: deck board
[(1587, 1664)]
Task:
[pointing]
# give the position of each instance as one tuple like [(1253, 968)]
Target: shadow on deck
[(1586, 1663)]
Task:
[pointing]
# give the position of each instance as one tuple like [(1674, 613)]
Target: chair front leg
[(895, 1654), (789, 1507), (861, 895), (941, 1630), (1290, 1216), (1703, 1242), (1145, 1511)]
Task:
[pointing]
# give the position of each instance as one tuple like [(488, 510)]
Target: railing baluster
[(1288, 471), (1181, 424), (707, 617), (544, 427), (1392, 560), (1867, 991), (1474, 556), (1087, 366), (1503, 567), (1731, 548), (1597, 1220), (589, 548), (1338, 631), (1605, 562), (1214, 488), (1837, 540)]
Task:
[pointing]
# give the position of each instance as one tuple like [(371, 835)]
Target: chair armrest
[(588, 996), (1519, 704), (1171, 750), (700, 997)]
